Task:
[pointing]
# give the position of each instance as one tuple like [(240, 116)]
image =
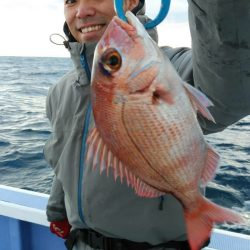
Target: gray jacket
[(218, 64)]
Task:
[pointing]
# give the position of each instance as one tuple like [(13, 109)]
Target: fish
[(146, 128)]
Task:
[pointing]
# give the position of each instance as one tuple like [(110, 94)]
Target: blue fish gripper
[(165, 5)]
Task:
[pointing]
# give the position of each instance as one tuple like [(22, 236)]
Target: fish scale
[(157, 127)]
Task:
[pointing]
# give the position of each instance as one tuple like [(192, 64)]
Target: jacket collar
[(76, 51)]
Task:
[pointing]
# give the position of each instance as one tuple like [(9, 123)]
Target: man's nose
[(85, 8)]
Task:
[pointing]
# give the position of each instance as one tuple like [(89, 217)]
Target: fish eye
[(111, 60)]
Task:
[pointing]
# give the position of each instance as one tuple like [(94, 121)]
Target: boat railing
[(24, 226)]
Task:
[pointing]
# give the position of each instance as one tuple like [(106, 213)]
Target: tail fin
[(199, 221)]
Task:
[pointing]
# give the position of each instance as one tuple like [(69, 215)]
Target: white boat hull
[(23, 225)]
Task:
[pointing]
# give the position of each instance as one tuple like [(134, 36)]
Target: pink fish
[(146, 126)]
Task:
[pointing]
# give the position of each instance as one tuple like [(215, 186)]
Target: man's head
[(88, 19)]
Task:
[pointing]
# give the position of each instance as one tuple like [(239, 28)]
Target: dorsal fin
[(100, 156)]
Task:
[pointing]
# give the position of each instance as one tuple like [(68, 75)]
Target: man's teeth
[(91, 28)]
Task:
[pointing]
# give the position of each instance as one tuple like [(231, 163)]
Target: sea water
[(24, 129)]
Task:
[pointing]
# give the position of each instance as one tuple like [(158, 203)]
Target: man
[(102, 213)]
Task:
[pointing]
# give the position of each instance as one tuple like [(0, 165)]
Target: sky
[(26, 26)]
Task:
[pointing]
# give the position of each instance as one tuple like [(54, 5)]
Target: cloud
[(27, 25), (174, 30), (174, 35)]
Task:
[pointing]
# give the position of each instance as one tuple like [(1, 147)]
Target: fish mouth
[(127, 27), (123, 32), (136, 24), (133, 26)]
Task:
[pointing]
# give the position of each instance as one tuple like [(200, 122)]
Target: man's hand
[(60, 228)]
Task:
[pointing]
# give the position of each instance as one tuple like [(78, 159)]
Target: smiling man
[(87, 20), (92, 211)]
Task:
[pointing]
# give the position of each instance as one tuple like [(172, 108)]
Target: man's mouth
[(91, 28)]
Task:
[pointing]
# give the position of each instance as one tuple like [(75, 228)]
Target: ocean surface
[(24, 129)]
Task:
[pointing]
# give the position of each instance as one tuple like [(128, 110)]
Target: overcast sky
[(26, 25)]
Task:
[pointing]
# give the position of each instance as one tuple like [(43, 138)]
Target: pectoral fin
[(199, 101)]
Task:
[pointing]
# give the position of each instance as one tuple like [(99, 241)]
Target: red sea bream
[(146, 126)]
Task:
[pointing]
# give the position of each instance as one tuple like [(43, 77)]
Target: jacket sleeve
[(221, 58), (51, 151), (56, 208)]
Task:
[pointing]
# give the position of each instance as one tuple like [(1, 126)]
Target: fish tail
[(199, 221)]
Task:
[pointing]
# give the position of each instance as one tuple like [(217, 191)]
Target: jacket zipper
[(85, 66)]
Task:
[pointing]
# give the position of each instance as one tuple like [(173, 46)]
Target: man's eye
[(69, 1)]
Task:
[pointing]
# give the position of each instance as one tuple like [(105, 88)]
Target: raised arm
[(221, 58)]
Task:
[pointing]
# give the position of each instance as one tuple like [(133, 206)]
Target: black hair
[(67, 33), (140, 7)]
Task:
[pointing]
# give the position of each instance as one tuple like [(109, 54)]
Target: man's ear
[(130, 4)]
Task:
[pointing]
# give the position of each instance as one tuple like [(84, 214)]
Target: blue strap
[(165, 5), (84, 64)]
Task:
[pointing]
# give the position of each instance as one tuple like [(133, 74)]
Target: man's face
[(88, 19)]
